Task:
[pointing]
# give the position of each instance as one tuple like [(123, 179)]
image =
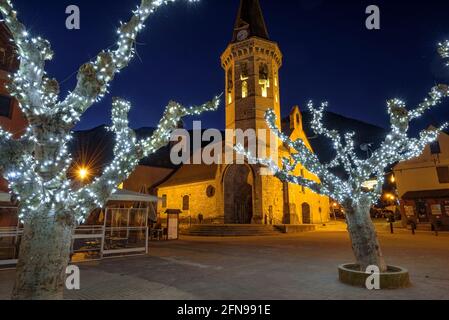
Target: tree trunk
[(365, 243), (43, 259)]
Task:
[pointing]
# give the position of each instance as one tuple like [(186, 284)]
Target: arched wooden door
[(238, 195), (306, 214)]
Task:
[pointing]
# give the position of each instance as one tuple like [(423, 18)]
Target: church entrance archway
[(238, 185), (306, 214)]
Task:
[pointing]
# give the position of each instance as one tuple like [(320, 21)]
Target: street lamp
[(393, 179), (390, 196), (83, 173)]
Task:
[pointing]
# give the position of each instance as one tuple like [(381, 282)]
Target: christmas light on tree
[(36, 165), (350, 193)]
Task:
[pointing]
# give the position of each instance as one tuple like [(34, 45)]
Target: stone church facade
[(243, 193)]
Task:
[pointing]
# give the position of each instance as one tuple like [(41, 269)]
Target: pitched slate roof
[(250, 15), (365, 134), (98, 144), (426, 194), (188, 174), (95, 148)]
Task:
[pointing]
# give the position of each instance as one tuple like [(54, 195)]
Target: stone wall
[(143, 178), (199, 201)]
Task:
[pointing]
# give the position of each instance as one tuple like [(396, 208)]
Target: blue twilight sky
[(328, 53)]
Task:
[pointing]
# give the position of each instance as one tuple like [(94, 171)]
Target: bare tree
[(36, 165), (350, 193)]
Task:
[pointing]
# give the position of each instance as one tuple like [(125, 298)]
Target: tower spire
[(250, 19)]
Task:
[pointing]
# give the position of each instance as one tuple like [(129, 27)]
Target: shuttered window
[(164, 201), (5, 107), (443, 174), (186, 203), (435, 148)]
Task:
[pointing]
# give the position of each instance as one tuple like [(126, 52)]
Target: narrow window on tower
[(264, 80), (244, 89), (5, 107), (230, 86), (186, 203), (3, 57), (244, 77)]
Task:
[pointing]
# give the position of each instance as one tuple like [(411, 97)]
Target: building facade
[(244, 193), (423, 185), (11, 118)]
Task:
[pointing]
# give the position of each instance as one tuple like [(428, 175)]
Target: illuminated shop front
[(429, 208)]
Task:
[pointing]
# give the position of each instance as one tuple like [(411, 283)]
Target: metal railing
[(121, 232), (9, 245), (126, 232)]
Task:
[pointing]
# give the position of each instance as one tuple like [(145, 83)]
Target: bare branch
[(438, 92), (345, 152), (398, 146), (33, 52), (126, 157), (6, 148), (437, 95), (283, 174), (128, 151), (415, 147), (309, 159), (443, 50), (11, 151), (94, 77), (329, 184), (16, 164), (173, 114)]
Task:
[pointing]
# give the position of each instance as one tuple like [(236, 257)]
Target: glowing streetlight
[(83, 173), (370, 184), (390, 196)]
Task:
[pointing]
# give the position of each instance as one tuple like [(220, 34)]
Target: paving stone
[(287, 267)]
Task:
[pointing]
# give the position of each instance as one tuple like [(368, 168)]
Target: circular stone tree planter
[(394, 278)]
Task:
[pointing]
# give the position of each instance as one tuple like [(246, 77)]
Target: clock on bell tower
[(251, 63)]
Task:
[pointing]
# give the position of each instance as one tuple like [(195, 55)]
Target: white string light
[(398, 146), (36, 165)]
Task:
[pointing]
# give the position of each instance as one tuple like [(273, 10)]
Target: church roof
[(365, 134), (95, 147), (250, 16), (188, 174), (85, 146), (426, 194)]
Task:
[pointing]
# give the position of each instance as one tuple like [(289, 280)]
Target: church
[(244, 193)]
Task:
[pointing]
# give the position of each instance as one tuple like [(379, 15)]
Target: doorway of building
[(306, 214), (421, 208), (238, 195)]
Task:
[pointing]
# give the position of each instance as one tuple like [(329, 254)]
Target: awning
[(173, 211), (130, 196), (426, 194), (5, 197)]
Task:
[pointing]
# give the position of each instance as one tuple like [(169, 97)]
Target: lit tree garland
[(443, 49), (37, 164), (128, 151), (356, 200)]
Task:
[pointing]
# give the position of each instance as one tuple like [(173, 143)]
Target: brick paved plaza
[(282, 267)]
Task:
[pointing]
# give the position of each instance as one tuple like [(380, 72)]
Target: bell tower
[(251, 63)]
